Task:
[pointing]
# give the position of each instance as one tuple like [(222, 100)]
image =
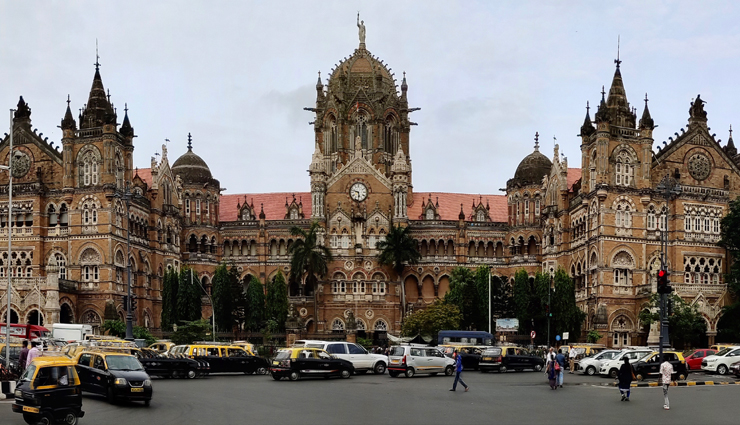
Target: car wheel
[(192, 374), (681, 376), (502, 369), (345, 374), (410, 372), (449, 371), (537, 368), (261, 370), (379, 368), (45, 419), (110, 397), (590, 371), (613, 373), (275, 377), (393, 374), (70, 419), (722, 369), (294, 376), (639, 377), (29, 418), (147, 402)]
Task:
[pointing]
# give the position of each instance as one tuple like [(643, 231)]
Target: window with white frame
[(663, 219), (294, 214), (358, 287), (430, 214), (526, 209), (622, 277), (537, 207), (651, 218), (61, 263), (345, 239), (623, 216), (90, 273), (334, 240), (592, 179), (381, 325), (337, 325), (623, 169), (378, 288), (197, 207), (187, 207), (339, 287), (704, 270), (480, 216)]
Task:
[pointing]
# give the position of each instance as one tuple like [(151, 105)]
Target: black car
[(470, 354), (164, 366), (114, 375), (509, 358), (296, 363), (649, 366)]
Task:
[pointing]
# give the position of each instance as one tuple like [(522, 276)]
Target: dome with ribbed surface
[(531, 170), (191, 168)]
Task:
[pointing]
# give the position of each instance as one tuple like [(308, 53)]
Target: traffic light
[(133, 303), (125, 302), (663, 286), (547, 310)]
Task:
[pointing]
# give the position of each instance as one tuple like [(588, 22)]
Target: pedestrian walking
[(626, 375), (572, 358), (23, 356), (458, 372), (666, 375), (560, 360), (32, 353), (552, 373)]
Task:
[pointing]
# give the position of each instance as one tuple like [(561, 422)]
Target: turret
[(646, 122), (587, 129)]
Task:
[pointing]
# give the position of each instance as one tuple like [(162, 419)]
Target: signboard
[(532, 334), (566, 335), (14, 331), (557, 337), (507, 325)]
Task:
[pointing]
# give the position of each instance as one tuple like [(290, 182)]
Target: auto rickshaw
[(49, 392)]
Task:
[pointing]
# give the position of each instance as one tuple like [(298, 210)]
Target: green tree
[(728, 327), (398, 250), (255, 304), (434, 318), (567, 317), (685, 323), (309, 260), (470, 293), (522, 299), (276, 303), (225, 297), (502, 298), (170, 286), (115, 328), (188, 297), (189, 332), (141, 332)]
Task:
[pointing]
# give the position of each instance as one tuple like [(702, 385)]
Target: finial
[(730, 131), (617, 61), (646, 99), (97, 57), (588, 108), (190, 142), (602, 93), (537, 141), (125, 108), (67, 101)]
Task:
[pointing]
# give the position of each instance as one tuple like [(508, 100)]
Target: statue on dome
[(361, 26)]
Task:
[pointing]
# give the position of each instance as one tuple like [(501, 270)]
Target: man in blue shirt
[(459, 370), (560, 358)]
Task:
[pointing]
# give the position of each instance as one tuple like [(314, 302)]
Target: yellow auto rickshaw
[(49, 392)]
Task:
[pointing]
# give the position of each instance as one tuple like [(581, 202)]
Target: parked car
[(410, 360), (354, 353), (114, 375), (694, 359), (303, 362), (49, 392), (650, 365), (510, 358), (162, 346), (165, 366), (224, 358), (610, 368), (591, 365), (720, 362), (735, 369), (470, 354)]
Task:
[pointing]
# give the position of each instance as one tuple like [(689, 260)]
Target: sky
[(487, 75)]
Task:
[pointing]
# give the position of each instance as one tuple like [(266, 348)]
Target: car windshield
[(724, 351), (123, 363), (492, 352), (282, 355), (28, 374)]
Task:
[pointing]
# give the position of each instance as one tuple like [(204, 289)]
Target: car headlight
[(19, 393), (147, 383), (121, 381)]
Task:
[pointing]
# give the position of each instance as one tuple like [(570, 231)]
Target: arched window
[(337, 325), (119, 171), (381, 325), (294, 214), (63, 216), (390, 135), (361, 129), (246, 216), (187, 207), (623, 216), (624, 169), (430, 214), (651, 218), (53, 217), (663, 219), (61, 263), (89, 214), (480, 216), (331, 144)]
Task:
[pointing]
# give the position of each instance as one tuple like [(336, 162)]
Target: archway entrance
[(13, 317), (35, 318), (66, 315)]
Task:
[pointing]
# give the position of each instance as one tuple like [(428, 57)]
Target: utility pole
[(10, 244), (671, 189), (126, 196), (549, 314), (490, 295), (213, 307)]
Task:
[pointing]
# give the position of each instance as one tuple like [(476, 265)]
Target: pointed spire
[(646, 122), (68, 122), (537, 141), (98, 110), (587, 128), (730, 148), (319, 85), (601, 112), (461, 216), (126, 129), (404, 85), (262, 211)]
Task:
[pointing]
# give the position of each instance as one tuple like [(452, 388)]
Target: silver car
[(592, 364)]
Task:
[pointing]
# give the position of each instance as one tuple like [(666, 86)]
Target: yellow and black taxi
[(115, 375), (506, 358), (49, 392), (650, 365), (303, 362), (223, 358), (162, 346)]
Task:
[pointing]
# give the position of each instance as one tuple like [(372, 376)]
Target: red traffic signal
[(663, 287)]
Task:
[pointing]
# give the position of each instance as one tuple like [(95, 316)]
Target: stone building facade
[(601, 222)]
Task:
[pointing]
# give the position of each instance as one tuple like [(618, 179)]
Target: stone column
[(50, 289)]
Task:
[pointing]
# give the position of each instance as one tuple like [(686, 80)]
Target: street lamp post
[(671, 189), (129, 314), (10, 237), (490, 295), (213, 307)]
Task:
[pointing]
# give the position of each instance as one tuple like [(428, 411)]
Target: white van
[(70, 331), (354, 353)]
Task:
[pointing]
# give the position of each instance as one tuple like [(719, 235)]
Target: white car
[(720, 362), (412, 359), (592, 364), (610, 368), (354, 353)]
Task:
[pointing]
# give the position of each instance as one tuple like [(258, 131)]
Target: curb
[(676, 384), (8, 389)]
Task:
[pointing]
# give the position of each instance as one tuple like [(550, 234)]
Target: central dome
[(364, 65), (191, 168), (531, 170)]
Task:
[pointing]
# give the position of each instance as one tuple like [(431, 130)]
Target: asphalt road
[(511, 398)]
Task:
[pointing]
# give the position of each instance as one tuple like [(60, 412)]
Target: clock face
[(358, 192)]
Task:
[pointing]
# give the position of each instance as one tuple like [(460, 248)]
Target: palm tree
[(398, 250), (308, 258)]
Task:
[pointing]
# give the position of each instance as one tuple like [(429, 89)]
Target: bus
[(465, 337), (28, 332)]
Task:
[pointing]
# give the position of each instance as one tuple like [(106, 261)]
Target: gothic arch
[(622, 320), (90, 254), (624, 257)]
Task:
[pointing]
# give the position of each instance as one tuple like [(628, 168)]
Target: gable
[(359, 166), (23, 136), (696, 140)]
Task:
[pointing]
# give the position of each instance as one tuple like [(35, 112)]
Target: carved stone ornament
[(368, 265), (699, 166), (622, 259), (369, 314), (349, 265), (303, 311), (21, 164)]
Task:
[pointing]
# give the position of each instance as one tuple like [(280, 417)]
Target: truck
[(70, 331)]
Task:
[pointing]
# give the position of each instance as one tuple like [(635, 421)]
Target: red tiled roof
[(573, 175), (273, 203), (449, 205), (145, 174)]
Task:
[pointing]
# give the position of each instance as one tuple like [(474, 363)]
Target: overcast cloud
[(487, 75)]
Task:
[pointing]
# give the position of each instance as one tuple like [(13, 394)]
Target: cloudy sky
[(486, 75)]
